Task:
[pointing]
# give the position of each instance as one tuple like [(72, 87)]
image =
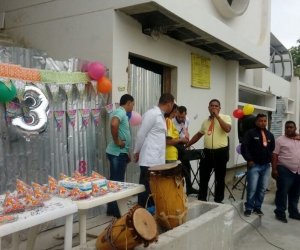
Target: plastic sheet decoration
[(94, 85), (38, 106), (81, 89)]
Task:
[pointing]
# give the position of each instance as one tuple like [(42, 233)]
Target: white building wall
[(96, 32)]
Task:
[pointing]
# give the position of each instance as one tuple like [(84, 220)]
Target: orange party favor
[(96, 175), (63, 192), (51, 180), (113, 187), (32, 202), (79, 195), (12, 205), (63, 176), (53, 188), (97, 191), (40, 195)]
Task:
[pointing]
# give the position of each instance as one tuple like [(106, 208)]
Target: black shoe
[(220, 202), (258, 212), (192, 191), (281, 218), (295, 217), (247, 213)]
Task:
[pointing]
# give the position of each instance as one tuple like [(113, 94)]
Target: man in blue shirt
[(117, 150)]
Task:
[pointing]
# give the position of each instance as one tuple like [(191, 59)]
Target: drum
[(134, 228), (166, 184)]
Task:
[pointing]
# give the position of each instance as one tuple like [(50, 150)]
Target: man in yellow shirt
[(173, 137), (216, 150)]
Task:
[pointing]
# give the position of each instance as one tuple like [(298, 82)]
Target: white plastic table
[(53, 209), (121, 197)]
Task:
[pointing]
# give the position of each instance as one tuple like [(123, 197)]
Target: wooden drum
[(135, 228), (166, 184)]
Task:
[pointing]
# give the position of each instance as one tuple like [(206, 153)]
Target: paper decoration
[(81, 89), (42, 87), (54, 89), (50, 113), (109, 108), (68, 88), (63, 77), (94, 85), (72, 116), (117, 104), (85, 114), (59, 115), (11, 109), (6, 81), (20, 86), (96, 115)]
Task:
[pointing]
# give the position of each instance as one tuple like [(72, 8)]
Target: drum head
[(144, 224), (163, 167)]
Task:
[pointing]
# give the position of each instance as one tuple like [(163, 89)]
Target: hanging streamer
[(96, 115), (85, 115), (59, 115), (72, 116)]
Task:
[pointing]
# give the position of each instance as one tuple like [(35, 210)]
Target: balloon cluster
[(238, 113), (96, 72), (247, 110)]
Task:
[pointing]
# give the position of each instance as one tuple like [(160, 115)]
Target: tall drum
[(166, 184), (135, 228)]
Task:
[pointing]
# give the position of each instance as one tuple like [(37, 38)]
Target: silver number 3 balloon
[(38, 106)]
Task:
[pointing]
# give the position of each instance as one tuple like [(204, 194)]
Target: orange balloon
[(104, 85)]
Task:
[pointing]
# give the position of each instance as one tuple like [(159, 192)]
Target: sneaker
[(281, 218), (258, 212), (295, 217), (247, 213)]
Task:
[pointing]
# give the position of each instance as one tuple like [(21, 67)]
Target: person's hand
[(184, 140), (275, 174), (129, 158), (136, 157), (121, 143), (250, 164)]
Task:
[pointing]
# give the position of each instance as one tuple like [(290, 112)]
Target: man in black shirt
[(257, 147)]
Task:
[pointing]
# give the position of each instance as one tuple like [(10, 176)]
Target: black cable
[(254, 227)]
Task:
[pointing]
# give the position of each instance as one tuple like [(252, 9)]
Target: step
[(243, 225)]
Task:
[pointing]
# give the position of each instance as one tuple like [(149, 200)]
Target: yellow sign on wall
[(200, 72)]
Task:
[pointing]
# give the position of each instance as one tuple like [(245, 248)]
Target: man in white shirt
[(181, 122), (150, 143)]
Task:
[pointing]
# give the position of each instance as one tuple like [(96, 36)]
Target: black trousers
[(215, 159), (143, 197)]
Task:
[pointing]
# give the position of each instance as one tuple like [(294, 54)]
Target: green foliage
[(295, 52)]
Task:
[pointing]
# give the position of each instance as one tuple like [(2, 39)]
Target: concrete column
[(232, 80)]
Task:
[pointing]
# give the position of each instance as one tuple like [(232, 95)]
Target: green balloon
[(6, 94)]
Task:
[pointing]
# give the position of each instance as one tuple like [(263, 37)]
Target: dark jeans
[(288, 190), (143, 197), (215, 159), (188, 181), (117, 173)]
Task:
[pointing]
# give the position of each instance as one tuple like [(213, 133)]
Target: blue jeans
[(288, 190), (257, 182), (117, 173)]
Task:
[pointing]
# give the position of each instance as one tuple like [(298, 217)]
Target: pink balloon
[(96, 70), (135, 119)]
